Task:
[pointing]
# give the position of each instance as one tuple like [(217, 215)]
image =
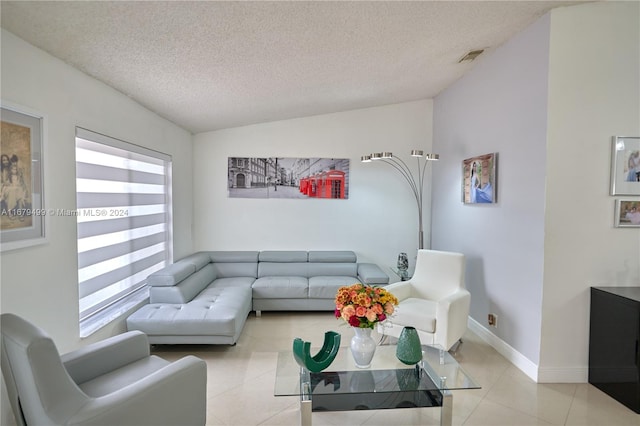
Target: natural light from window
[(124, 225)]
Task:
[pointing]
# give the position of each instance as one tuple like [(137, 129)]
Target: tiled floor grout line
[(484, 397), (573, 399)]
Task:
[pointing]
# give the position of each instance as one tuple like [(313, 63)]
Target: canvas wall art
[(282, 177), (479, 179)]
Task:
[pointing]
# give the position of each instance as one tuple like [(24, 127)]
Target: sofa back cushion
[(281, 256), (333, 256), (186, 289), (199, 260), (280, 263), (233, 256), (229, 264), (279, 269), (171, 275), (333, 269)]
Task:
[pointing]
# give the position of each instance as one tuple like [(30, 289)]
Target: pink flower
[(377, 308), (371, 315), (361, 311), (348, 312), (388, 308), (337, 313)]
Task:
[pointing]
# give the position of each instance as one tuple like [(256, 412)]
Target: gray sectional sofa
[(205, 298)]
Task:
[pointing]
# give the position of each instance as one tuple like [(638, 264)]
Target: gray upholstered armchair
[(112, 382)]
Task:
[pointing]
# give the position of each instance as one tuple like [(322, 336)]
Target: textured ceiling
[(210, 65)]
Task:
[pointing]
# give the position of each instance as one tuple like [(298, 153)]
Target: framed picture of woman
[(479, 179), (625, 165)]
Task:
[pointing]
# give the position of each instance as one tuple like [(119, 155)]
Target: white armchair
[(112, 382), (434, 300)]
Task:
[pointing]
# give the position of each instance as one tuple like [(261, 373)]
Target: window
[(124, 224)]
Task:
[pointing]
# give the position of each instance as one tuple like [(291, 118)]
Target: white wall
[(548, 102), (41, 282), (377, 221), (500, 106), (594, 94)]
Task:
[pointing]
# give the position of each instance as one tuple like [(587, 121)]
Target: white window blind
[(124, 224)]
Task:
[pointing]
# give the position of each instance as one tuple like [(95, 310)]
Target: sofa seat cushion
[(214, 312), (414, 311), (326, 287), (281, 288), (123, 376), (245, 282)]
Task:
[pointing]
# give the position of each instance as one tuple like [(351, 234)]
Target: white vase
[(362, 347)]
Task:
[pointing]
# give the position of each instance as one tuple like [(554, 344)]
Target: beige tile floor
[(241, 380)]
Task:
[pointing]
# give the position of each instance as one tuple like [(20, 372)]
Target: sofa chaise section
[(204, 298)]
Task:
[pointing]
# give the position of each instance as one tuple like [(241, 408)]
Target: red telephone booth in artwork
[(304, 185), (312, 191), (333, 184), (320, 185)]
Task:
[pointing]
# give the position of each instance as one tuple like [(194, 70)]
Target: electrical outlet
[(492, 319)]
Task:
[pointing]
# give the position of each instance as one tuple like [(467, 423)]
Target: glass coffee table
[(388, 383)]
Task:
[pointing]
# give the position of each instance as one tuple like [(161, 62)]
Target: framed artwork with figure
[(22, 212), (479, 179), (627, 214), (625, 165)]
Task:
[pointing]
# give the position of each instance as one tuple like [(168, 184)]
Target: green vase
[(409, 349)]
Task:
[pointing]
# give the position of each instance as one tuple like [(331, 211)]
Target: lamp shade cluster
[(416, 182), (387, 155)]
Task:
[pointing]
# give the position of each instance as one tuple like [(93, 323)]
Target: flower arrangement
[(363, 306)]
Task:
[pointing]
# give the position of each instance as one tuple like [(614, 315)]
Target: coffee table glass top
[(387, 372)]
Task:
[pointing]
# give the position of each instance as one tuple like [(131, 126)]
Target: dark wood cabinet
[(614, 336)]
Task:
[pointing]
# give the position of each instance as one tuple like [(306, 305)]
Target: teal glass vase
[(409, 349)]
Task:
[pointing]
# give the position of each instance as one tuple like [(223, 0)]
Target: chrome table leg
[(446, 411)]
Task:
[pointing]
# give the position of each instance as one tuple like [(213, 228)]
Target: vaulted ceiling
[(208, 65)]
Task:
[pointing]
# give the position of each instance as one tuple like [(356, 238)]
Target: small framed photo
[(22, 210), (627, 214), (625, 165), (479, 179)]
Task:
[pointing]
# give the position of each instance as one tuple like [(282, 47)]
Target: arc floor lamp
[(416, 182)]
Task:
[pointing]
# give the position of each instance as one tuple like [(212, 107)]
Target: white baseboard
[(513, 356), (535, 373)]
